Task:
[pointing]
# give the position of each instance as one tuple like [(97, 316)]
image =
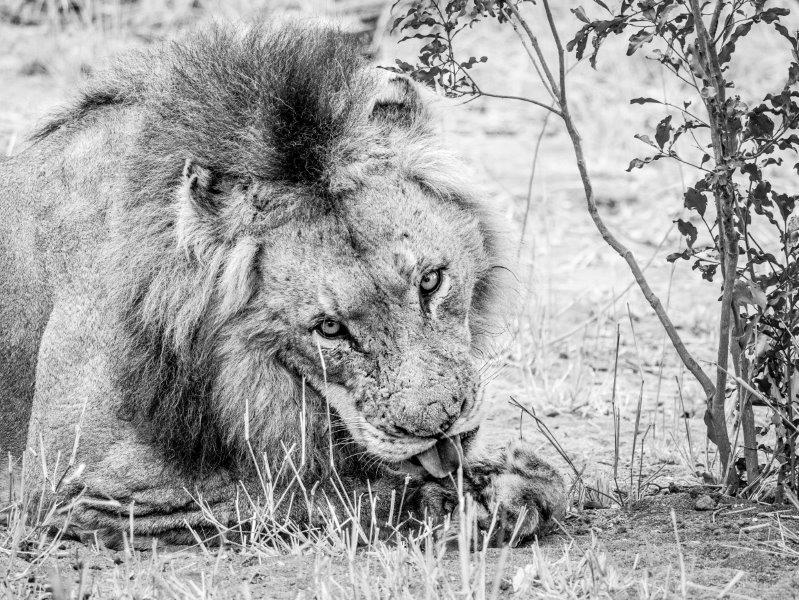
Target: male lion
[(240, 246)]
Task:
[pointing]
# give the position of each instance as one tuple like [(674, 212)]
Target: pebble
[(704, 502)]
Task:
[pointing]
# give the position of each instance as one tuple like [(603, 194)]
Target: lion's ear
[(198, 209), (210, 226), (197, 186), (397, 101)]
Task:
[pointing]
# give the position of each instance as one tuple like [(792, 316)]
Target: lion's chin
[(440, 460)]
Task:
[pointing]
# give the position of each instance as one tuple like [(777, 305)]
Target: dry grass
[(449, 561)]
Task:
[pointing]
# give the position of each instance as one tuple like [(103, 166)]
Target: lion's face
[(372, 304)]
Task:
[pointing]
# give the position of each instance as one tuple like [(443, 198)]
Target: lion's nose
[(430, 417)]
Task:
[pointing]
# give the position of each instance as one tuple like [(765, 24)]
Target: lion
[(242, 247)]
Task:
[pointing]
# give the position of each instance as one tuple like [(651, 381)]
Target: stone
[(704, 502)]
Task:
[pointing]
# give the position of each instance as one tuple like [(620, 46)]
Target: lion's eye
[(330, 328), (430, 282)]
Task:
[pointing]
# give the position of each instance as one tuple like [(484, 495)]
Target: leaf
[(579, 12), (648, 9), (788, 142), (708, 271), (579, 42), (760, 124), (688, 230), (663, 131), (793, 73), (403, 66), (664, 12), (773, 14), (751, 169), (645, 101), (685, 255), (695, 200), (727, 50), (637, 163), (747, 292), (473, 61), (783, 31), (639, 39)]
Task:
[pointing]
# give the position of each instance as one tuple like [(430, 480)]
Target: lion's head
[(294, 234)]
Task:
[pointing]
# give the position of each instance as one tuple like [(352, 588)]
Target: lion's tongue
[(443, 458)]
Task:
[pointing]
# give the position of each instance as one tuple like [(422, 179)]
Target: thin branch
[(688, 360), (685, 111), (532, 178), (690, 363), (714, 22), (536, 46), (533, 60), (548, 107), (559, 46)]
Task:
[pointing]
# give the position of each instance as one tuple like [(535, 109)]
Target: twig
[(683, 579), (559, 46), (532, 177), (533, 61), (537, 48), (714, 21), (542, 427), (551, 109), (616, 416)]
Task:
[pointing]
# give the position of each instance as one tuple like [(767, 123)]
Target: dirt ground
[(735, 543), (557, 359)]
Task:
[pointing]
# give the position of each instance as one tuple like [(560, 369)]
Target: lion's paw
[(522, 490), (434, 501)]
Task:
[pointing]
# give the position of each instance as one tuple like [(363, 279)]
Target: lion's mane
[(285, 114)]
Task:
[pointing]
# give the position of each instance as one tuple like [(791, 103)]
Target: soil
[(734, 539)]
